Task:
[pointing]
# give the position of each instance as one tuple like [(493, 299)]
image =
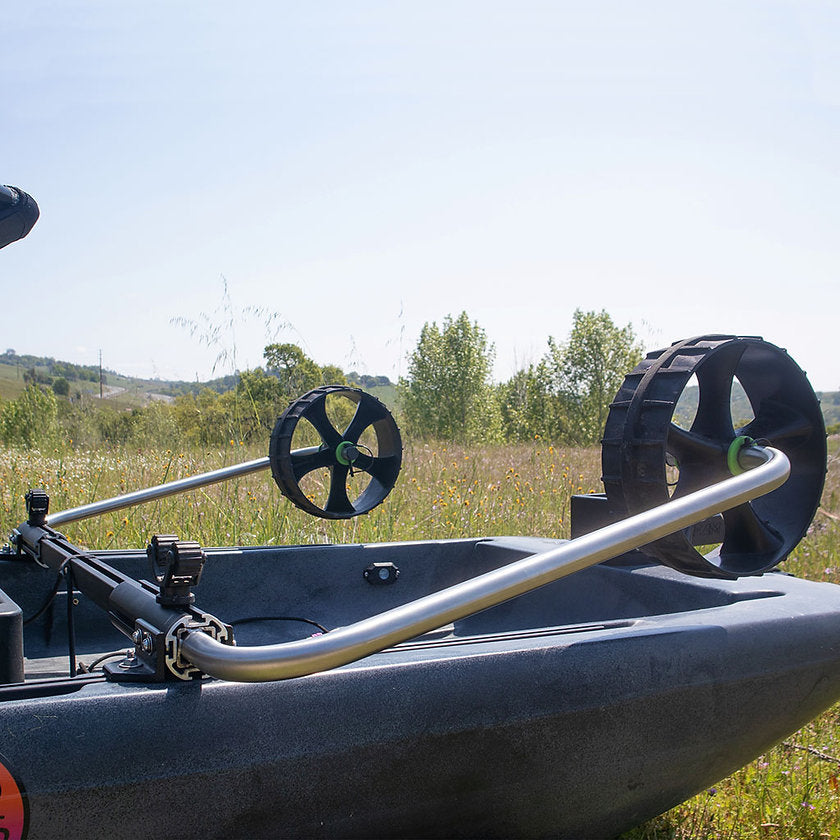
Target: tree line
[(447, 394)]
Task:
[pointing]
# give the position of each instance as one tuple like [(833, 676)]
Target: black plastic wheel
[(642, 443), (341, 453)]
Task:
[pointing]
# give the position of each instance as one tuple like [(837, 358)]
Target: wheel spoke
[(384, 470), (777, 422), (689, 446), (700, 461), (338, 501), (714, 415), (311, 458), (695, 475), (367, 412), (363, 462), (747, 533), (316, 414)]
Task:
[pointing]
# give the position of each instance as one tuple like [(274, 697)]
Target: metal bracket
[(203, 622), (379, 574), (156, 656)]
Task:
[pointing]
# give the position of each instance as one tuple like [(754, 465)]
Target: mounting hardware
[(346, 453), (142, 663), (203, 622), (37, 507), (381, 574), (177, 566), (734, 450), (156, 656), (129, 663)]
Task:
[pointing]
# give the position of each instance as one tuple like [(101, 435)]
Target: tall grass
[(443, 491), (449, 491)]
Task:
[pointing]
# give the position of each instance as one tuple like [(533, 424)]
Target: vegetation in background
[(447, 394), (566, 395), (588, 370), (45, 370), (79, 448), (31, 419), (530, 405), (444, 490), (448, 490)]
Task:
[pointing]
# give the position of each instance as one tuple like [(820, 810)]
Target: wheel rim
[(641, 439)]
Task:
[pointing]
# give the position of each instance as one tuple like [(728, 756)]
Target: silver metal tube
[(347, 644), (152, 493)]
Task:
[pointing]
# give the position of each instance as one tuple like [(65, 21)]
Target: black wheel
[(369, 448), (649, 456)]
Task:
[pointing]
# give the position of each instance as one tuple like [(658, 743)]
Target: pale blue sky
[(361, 168)]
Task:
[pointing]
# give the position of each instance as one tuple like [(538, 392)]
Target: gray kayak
[(482, 687), (578, 710)]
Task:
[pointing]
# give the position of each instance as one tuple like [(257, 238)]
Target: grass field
[(11, 382), (452, 491)]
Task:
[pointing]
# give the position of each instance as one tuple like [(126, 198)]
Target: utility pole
[(100, 374)]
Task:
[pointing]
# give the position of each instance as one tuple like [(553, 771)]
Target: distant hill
[(830, 403), (131, 391), (16, 371)]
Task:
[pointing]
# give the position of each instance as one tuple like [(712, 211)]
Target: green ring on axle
[(341, 449), (734, 450)]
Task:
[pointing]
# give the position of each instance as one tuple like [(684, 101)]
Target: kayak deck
[(580, 709), (294, 589)]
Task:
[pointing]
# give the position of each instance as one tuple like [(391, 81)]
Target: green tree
[(295, 370), (332, 375), (588, 370), (210, 418), (447, 393), (31, 419), (261, 400), (530, 407)]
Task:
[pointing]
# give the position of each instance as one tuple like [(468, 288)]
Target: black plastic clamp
[(177, 566), (37, 508)]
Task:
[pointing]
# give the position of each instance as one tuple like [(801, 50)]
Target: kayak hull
[(578, 710)]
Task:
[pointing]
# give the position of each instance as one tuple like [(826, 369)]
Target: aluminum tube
[(152, 493), (347, 644)]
